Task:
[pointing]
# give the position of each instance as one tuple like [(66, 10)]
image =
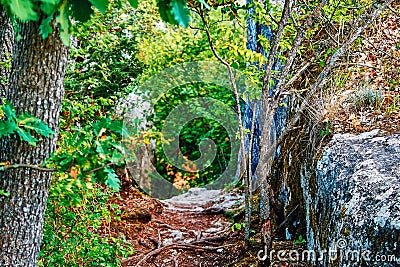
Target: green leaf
[(32, 123), (133, 3), (41, 129), (64, 36), (181, 13), (112, 179), (45, 27), (52, 2), (7, 127), (100, 4), (2, 193), (26, 136), (164, 11), (23, 9), (81, 10), (63, 20), (49, 6), (8, 110)]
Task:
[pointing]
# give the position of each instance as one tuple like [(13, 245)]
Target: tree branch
[(26, 166)]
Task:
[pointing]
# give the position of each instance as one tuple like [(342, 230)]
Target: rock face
[(353, 204)]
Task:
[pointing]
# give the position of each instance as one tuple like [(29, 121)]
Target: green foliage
[(72, 235), (103, 62), (327, 130), (299, 240), (2, 193), (86, 150), (100, 4), (81, 10), (23, 9), (238, 226), (89, 151), (24, 125), (67, 11), (160, 46), (134, 3), (192, 135), (180, 12), (175, 12)]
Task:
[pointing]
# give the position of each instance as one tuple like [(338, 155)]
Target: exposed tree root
[(181, 245)]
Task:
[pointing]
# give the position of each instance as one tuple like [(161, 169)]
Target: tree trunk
[(6, 44), (36, 86)]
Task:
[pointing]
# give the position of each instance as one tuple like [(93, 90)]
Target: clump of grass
[(366, 98), (391, 104)]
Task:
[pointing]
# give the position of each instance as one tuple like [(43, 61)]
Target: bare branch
[(370, 15), (274, 49), (26, 166)]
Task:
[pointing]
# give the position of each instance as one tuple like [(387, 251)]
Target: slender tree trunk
[(6, 44), (36, 86)]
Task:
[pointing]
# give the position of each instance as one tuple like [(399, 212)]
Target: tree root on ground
[(181, 245)]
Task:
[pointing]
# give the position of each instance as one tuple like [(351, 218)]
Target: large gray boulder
[(352, 202)]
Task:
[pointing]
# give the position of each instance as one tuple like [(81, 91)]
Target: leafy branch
[(24, 125)]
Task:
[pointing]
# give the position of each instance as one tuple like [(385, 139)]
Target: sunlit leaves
[(3, 193), (92, 150)]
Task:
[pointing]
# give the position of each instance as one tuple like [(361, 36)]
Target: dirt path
[(186, 231)]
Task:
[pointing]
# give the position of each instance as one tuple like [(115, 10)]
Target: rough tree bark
[(6, 44), (36, 86)]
